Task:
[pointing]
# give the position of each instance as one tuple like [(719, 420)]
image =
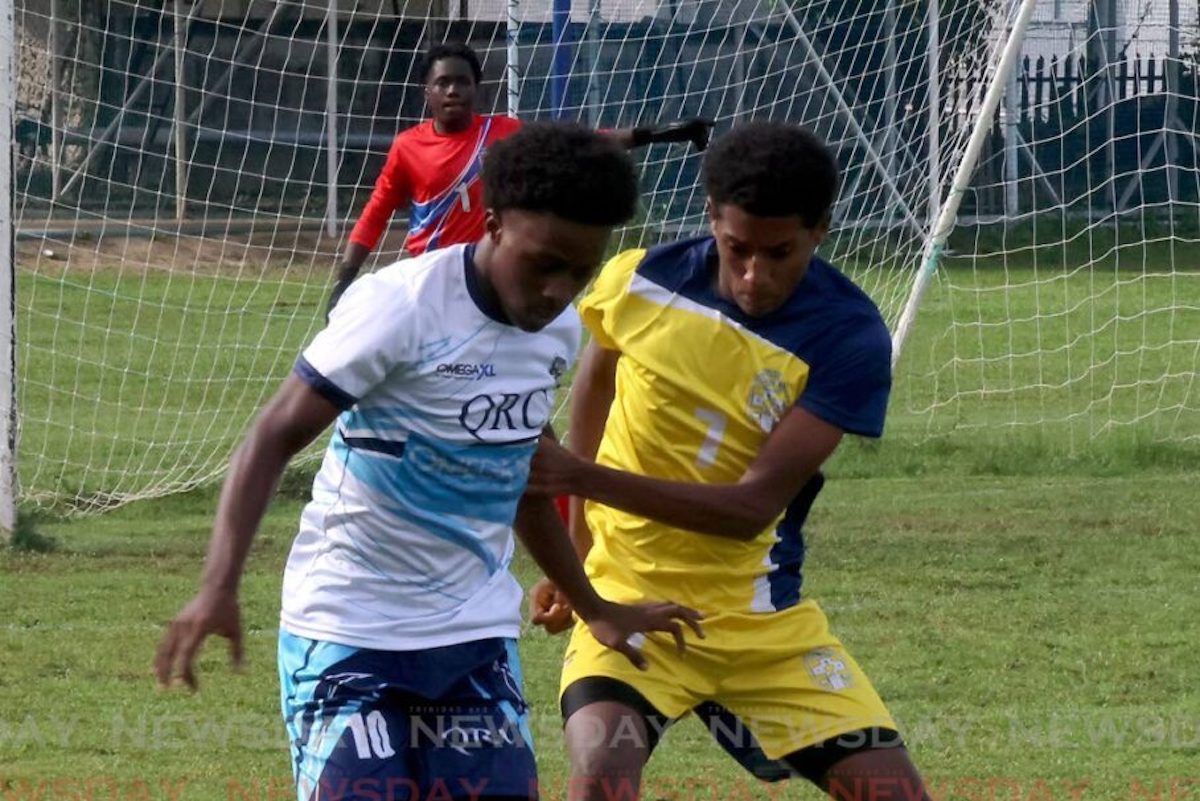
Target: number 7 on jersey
[(712, 438)]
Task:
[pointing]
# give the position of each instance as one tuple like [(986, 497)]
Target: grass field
[(1024, 598)]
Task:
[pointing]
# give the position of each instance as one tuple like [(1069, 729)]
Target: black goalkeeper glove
[(695, 131)]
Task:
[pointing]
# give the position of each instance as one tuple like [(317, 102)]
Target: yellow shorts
[(780, 675)]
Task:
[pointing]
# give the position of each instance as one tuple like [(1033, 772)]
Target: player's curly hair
[(772, 169), (562, 168), (446, 50)]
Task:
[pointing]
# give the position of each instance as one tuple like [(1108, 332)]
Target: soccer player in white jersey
[(397, 654)]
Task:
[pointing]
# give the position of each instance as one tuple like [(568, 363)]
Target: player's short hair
[(561, 168), (440, 52), (772, 169)]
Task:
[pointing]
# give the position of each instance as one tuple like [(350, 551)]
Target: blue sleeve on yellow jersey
[(849, 386), (829, 324)]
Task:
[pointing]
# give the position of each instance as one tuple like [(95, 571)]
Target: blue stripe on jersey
[(425, 214), (436, 485), (484, 482), (384, 475), (435, 210), (387, 447), (325, 388), (415, 576), (788, 553), (829, 299), (828, 323)]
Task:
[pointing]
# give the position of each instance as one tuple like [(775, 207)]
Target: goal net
[(186, 172), (1068, 307)]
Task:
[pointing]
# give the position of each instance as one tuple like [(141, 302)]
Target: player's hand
[(210, 612), (623, 627), (549, 608), (697, 131), (553, 470)]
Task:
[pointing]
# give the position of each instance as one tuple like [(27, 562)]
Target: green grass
[(1022, 628), (135, 383), (1024, 597)]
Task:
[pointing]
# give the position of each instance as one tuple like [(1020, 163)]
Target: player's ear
[(710, 209), (492, 225), (821, 229)]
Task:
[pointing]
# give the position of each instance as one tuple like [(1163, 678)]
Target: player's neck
[(716, 277), (449, 129)]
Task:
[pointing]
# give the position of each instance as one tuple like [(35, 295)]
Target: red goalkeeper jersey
[(438, 175)]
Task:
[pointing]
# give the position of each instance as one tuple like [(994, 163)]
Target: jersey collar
[(485, 301)]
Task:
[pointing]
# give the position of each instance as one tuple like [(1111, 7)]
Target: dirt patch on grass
[(302, 252)]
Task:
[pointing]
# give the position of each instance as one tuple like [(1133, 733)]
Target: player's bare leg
[(608, 744), (880, 774)]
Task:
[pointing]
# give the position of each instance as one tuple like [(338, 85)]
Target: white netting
[(161, 298), (1071, 302)]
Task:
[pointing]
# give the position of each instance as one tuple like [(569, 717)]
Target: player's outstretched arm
[(292, 419), (612, 624), (347, 271), (392, 190), (592, 394), (696, 131), (793, 453)]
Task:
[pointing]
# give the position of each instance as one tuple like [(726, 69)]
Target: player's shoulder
[(569, 319), (829, 287), (421, 129), (426, 270), (414, 135), (502, 125), (674, 265), (613, 280), (624, 263), (411, 283), (844, 311), (662, 273)]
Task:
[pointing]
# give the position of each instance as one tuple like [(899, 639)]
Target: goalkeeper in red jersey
[(434, 167)]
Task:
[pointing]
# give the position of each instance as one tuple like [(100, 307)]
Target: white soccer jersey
[(407, 540)]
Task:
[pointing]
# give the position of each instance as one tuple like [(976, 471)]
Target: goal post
[(8, 372), (943, 224), (1065, 314)]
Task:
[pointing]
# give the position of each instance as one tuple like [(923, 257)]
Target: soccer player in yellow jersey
[(722, 372)]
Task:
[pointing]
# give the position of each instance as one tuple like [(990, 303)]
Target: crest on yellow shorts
[(828, 669)]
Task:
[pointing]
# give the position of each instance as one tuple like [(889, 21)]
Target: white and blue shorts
[(366, 725)]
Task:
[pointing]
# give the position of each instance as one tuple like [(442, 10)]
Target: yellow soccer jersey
[(699, 387)]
